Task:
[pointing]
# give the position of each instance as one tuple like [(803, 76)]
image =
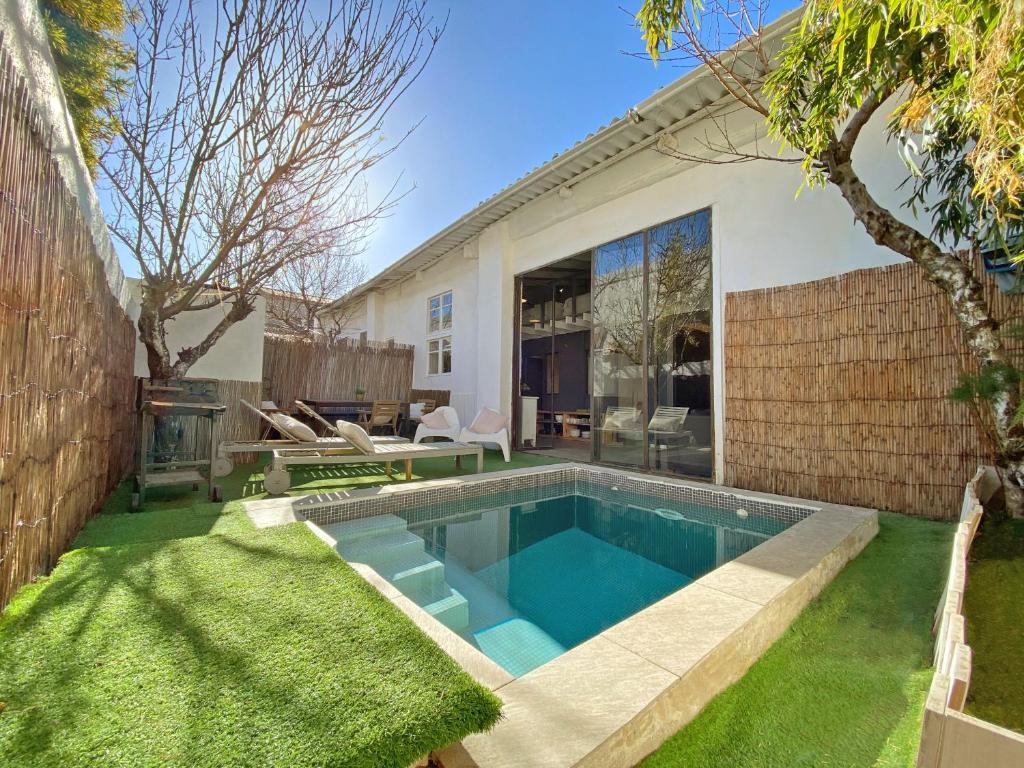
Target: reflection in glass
[(679, 345), (620, 376)]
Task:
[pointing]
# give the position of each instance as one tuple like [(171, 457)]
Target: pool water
[(524, 583)]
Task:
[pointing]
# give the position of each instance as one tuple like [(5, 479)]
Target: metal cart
[(170, 412)]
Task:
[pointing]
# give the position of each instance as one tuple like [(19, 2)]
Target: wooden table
[(347, 409)]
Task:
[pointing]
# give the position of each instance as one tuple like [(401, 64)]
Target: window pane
[(435, 302), (432, 363), (446, 299), (679, 345), (620, 373), (435, 320), (446, 317), (446, 361)]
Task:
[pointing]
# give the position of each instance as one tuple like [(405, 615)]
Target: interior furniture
[(528, 420), (561, 423)]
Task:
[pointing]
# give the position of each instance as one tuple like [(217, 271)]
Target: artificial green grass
[(845, 685), (995, 624), (183, 636)]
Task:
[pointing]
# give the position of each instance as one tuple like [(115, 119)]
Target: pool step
[(451, 610), (381, 552), (365, 527), (517, 645), (384, 543), (417, 572)]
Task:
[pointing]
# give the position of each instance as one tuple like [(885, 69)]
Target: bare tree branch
[(244, 146)]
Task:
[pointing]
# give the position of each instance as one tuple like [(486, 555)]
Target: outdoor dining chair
[(384, 415)]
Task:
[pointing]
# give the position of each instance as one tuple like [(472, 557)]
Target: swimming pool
[(524, 576), (523, 582)]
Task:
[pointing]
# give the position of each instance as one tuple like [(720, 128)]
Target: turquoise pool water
[(526, 582)]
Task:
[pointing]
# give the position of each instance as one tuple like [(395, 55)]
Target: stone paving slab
[(269, 513)]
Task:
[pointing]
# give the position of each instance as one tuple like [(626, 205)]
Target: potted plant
[(360, 392)]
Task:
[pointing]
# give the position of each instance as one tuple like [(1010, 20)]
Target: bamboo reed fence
[(66, 354), (295, 369), (838, 390)]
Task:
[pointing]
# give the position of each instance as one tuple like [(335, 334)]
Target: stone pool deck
[(616, 697)]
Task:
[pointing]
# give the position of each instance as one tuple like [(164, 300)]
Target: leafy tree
[(955, 69), (85, 40)]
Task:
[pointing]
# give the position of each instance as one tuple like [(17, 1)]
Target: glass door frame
[(647, 325), (521, 281), (645, 345)]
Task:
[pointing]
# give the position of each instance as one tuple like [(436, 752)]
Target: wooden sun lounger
[(223, 465), (278, 479)]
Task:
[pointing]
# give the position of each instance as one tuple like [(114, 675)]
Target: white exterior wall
[(401, 314), (237, 355), (763, 235)]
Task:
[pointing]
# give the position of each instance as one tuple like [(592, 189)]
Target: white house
[(539, 292)]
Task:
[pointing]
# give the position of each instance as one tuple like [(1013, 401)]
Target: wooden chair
[(384, 415)]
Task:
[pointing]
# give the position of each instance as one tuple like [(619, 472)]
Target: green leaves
[(993, 381), (91, 59), (873, 32), (659, 18)]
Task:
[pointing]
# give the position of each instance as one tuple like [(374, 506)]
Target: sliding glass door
[(620, 372), (679, 345), (652, 348)]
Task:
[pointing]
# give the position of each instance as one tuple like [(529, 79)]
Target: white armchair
[(430, 424), (490, 427)]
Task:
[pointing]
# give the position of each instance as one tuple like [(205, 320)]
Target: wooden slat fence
[(838, 389), (295, 368), (439, 396), (66, 355)]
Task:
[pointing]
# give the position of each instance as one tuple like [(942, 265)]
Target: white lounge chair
[(667, 424), (290, 438), (362, 450), (621, 420), (451, 431), (489, 427)]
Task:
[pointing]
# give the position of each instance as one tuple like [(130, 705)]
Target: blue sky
[(510, 85)]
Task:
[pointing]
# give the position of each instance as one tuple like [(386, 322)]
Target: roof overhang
[(668, 110)]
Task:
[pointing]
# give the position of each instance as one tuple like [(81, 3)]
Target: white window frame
[(437, 354), (440, 298)]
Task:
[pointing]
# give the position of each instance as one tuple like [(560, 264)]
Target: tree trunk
[(956, 278), (152, 335)]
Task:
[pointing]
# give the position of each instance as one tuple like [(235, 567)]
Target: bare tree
[(299, 291), (247, 135)]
